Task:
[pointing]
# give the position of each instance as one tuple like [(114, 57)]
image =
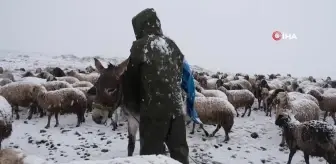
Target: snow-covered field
[(67, 143)]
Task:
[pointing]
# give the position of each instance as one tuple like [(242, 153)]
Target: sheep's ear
[(98, 65)]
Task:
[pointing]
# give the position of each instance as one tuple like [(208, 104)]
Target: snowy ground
[(67, 143)]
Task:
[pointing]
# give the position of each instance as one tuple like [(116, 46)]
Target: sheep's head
[(51, 78), (246, 77), (282, 119), (203, 81), (281, 99), (225, 75), (236, 77), (38, 90), (215, 76), (328, 79), (198, 88), (316, 94), (71, 73), (219, 83)]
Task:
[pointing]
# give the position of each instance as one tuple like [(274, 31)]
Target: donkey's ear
[(121, 68), (98, 65)]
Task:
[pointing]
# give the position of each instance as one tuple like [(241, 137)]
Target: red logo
[(277, 35)]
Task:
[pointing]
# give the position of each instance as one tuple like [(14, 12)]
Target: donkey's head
[(107, 90)]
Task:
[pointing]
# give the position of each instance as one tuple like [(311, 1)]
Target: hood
[(146, 23)]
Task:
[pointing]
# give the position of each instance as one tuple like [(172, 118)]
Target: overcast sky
[(233, 36)]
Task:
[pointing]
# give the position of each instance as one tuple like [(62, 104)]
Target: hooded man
[(154, 77)]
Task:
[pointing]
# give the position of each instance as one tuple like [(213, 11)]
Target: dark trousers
[(172, 131)]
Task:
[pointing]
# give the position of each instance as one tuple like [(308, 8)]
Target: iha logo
[(277, 35)]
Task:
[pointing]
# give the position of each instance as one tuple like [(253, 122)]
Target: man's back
[(161, 74)]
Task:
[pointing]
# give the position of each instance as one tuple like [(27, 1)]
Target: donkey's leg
[(115, 120), (133, 126)]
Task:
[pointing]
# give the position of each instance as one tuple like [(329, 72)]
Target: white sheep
[(214, 111), (56, 85), (327, 102), (315, 138), (82, 84), (303, 109), (5, 119), (211, 93), (21, 94), (239, 98), (5, 81), (238, 84), (66, 99), (92, 77), (88, 97), (68, 79)]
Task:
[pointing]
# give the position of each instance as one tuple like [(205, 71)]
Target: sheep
[(7, 75), (63, 99), (28, 74), (327, 102), (239, 98), (5, 81), (57, 72), (38, 70), (211, 93), (88, 97), (264, 97), (241, 84), (315, 138), (82, 84), (197, 94), (21, 94), (68, 79), (1, 70), (303, 109), (90, 69), (92, 77), (214, 110), (5, 119), (56, 85), (10, 156), (45, 75)]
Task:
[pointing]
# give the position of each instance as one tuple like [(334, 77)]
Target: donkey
[(109, 96)]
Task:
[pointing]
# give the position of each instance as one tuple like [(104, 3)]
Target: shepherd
[(154, 82)]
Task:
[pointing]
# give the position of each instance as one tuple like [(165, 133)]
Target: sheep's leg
[(215, 131), (333, 117), (32, 111), (306, 158), (205, 132), (237, 112), (259, 102), (193, 128), (290, 156), (133, 126), (325, 115), (56, 118), (42, 113), (15, 108), (270, 111), (49, 118), (249, 114), (244, 112), (79, 119), (282, 143)]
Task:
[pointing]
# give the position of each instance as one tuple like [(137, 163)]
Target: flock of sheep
[(297, 103)]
